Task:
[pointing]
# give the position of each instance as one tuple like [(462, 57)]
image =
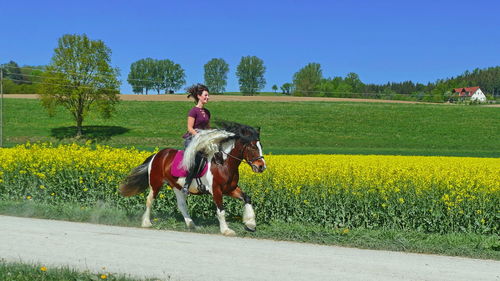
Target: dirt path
[(190, 256), (179, 97)]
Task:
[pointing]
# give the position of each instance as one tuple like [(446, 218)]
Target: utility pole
[(1, 106)]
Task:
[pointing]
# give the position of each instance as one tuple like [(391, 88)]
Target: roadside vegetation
[(28, 272)]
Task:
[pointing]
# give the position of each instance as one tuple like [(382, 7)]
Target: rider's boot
[(199, 162)]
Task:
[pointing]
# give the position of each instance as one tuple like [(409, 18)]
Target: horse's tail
[(138, 180)]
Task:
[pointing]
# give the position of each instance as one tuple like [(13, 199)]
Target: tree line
[(165, 75), (309, 81)]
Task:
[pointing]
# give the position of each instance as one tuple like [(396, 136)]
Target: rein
[(249, 162)]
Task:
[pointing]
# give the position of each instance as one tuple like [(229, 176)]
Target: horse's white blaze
[(261, 154), (249, 217)]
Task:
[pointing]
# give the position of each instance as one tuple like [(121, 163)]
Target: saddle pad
[(178, 171)]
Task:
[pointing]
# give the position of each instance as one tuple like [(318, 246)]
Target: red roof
[(466, 91)]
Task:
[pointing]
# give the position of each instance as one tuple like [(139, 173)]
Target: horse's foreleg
[(248, 212), (146, 218), (221, 213), (181, 204)]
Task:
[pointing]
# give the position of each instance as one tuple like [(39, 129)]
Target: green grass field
[(287, 127)]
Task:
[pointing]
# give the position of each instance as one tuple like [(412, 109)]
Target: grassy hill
[(287, 127)]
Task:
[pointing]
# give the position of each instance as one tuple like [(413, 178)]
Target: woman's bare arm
[(190, 124)]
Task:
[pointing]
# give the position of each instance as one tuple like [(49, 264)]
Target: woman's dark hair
[(196, 90)]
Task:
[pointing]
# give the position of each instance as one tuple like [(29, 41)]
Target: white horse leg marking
[(181, 204), (224, 229), (146, 218), (249, 217)]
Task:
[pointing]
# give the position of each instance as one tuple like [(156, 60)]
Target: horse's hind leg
[(248, 212), (154, 188), (146, 218), (182, 205)]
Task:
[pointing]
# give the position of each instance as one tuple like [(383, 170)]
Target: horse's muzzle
[(258, 168)]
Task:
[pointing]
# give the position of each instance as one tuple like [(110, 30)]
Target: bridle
[(249, 162)]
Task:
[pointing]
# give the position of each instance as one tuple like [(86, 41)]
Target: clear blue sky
[(381, 41)]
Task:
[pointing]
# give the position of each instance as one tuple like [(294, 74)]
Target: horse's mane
[(207, 142), (211, 141), (244, 132)]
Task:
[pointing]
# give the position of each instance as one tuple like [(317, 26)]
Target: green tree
[(307, 79), (140, 75), (22, 80), (14, 73), (286, 88), (275, 88), (250, 73), (352, 79), (168, 76), (327, 87), (216, 75), (80, 78)]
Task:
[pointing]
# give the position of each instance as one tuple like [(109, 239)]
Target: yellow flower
[(28, 197), (42, 187), (43, 268), (85, 189), (104, 276)]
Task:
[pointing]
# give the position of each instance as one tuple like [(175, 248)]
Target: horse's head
[(252, 153), (248, 145)]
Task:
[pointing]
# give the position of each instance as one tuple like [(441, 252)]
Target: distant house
[(472, 93)]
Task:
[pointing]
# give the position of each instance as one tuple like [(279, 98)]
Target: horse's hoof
[(250, 229), (191, 225), (229, 232), (250, 225), (146, 224)]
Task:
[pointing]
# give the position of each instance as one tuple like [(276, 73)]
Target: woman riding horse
[(198, 119), (237, 143)]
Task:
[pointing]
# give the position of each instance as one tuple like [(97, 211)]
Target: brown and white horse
[(235, 141)]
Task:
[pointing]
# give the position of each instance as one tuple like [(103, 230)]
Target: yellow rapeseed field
[(434, 194)]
